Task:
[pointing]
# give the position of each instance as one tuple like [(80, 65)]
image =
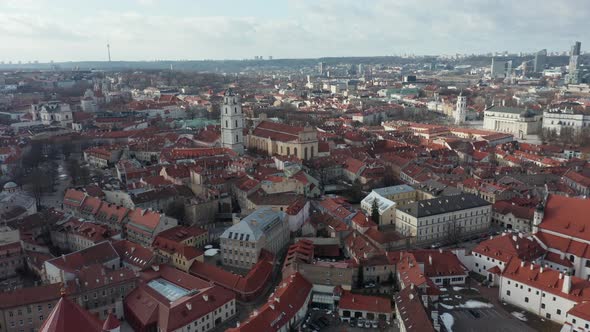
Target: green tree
[(375, 212), (360, 280)]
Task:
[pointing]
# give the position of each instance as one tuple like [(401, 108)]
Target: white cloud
[(310, 28)]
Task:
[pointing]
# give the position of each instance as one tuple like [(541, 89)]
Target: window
[(526, 300), (508, 292), (542, 305), (559, 311)]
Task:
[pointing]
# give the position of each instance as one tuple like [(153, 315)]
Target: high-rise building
[(232, 122), (574, 75), (322, 68), (500, 68), (540, 61)]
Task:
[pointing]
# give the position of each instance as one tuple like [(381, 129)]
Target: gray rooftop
[(254, 225), (442, 205), (393, 190)]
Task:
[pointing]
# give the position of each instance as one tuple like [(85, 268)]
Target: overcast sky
[(64, 30)]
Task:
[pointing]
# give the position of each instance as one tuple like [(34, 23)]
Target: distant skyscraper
[(270, 57), (540, 61), (500, 68), (322, 68), (232, 122), (574, 75)]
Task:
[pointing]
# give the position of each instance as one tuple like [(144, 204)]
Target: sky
[(75, 30)]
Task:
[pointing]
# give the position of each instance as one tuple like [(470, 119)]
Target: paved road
[(489, 320)]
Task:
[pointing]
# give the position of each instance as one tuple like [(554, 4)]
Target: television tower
[(109, 51)]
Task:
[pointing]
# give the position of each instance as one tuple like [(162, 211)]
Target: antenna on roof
[(109, 51)]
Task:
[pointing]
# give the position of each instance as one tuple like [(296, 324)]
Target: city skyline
[(151, 29)]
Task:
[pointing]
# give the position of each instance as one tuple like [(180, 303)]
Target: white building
[(52, 112), (444, 217), (517, 121), (561, 228), (232, 123), (385, 207), (461, 109), (489, 258), (262, 229), (545, 292), (556, 119)]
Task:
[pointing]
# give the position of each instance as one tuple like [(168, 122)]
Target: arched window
[(295, 151), (235, 110), (226, 125), (236, 123), (288, 150), (237, 139)]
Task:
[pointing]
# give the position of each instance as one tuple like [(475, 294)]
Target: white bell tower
[(461, 109), (232, 122)]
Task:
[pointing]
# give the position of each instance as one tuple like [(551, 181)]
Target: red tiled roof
[(100, 253), (149, 307), (290, 295), (68, 316), (581, 310), (562, 215), (147, 218), (506, 207), (548, 281), (358, 302), (563, 244), (504, 247), (252, 283), (412, 311)]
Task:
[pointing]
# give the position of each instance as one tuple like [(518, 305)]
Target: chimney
[(514, 238), (522, 263), (272, 306), (567, 283), (412, 286), (206, 298), (560, 275), (520, 235), (440, 250), (541, 269), (532, 266), (189, 306), (411, 296), (430, 259)]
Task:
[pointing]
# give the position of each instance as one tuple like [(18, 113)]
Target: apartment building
[(444, 217), (263, 229)]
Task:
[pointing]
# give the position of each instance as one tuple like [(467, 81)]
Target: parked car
[(360, 322), (368, 324), (352, 322), (374, 324), (474, 313)]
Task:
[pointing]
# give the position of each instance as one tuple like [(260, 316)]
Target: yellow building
[(283, 140)]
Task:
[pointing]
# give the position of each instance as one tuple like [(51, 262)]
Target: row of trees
[(566, 136), (39, 173)]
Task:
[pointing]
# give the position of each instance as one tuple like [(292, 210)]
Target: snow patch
[(519, 315), (448, 321), (211, 252), (472, 304)]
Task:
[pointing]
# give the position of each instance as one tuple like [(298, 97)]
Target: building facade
[(516, 121), (444, 218), (232, 122), (263, 229)]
